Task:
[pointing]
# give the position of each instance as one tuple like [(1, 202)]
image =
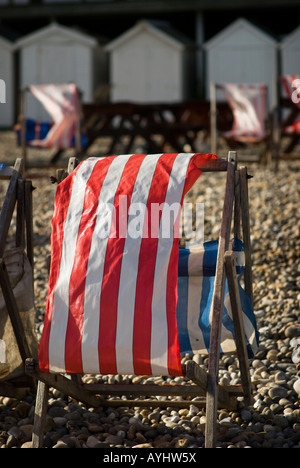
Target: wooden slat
[(41, 405), (238, 323), (217, 307), (9, 204), (20, 230), (246, 232), (13, 312), (226, 399), (145, 389), (29, 223)]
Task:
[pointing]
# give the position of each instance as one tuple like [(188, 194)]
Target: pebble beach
[(273, 420)]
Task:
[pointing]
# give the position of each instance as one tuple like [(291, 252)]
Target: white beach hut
[(241, 53), (150, 63), (7, 82), (56, 54), (290, 53)]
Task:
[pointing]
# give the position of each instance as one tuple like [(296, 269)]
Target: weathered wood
[(237, 207), (29, 223), (152, 403), (41, 405), (67, 386), (213, 120), (238, 323), (145, 389), (20, 229), (9, 204), (12, 391), (226, 398), (22, 119), (217, 307), (246, 232), (13, 312)]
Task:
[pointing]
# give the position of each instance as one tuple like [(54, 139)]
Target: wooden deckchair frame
[(18, 197), (265, 155), (236, 212)]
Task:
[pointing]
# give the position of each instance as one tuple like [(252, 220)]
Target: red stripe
[(62, 199), (78, 275), (146, 270), (111, 274), (174, 361)]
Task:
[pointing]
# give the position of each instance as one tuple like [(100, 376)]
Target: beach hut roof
[(245, 26), (159, 29), (53, 29)]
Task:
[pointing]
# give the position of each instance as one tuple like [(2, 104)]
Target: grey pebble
[(274, 418)]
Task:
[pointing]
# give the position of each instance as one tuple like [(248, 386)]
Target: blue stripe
[(183, 261), (209, 257), (181, 314), (205, 304), (209, 268)]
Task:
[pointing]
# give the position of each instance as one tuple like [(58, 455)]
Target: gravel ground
[(273, 421)]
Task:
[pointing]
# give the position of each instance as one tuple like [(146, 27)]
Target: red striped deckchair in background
[(111, 305), (249, 105), (62, 103), (290, 83)]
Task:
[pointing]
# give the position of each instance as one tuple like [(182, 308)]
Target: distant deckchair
[(250, 115), (112, 298), (286, 117), (62, 102)]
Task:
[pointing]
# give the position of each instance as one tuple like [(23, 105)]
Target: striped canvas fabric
[(111, 305), (249, 105), (62, 103), (290, 90), (196, 277)]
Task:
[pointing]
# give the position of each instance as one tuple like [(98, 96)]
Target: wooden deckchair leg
[(217, 307), (41, 406), (246, 231), (238, 323), (213, 119)]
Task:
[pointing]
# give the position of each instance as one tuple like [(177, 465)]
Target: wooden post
[(246, 232), (78, 145), (29, 223), (213, 120), (41, 405), (22, 119), (237, 317), (217, 306), (275, 137)]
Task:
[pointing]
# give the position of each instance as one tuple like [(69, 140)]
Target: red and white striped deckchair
[(111, 305), (113, 286), (290, 86), (62, 103), (249, 105)]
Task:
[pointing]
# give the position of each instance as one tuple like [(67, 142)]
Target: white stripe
[(60, 311), (129, 271), (159, 329), (227, 339), (95, 267), (195, 262)]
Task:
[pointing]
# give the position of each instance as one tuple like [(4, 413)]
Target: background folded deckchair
[(248, 102)]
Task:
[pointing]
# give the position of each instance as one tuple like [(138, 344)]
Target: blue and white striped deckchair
[(196, 275)]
